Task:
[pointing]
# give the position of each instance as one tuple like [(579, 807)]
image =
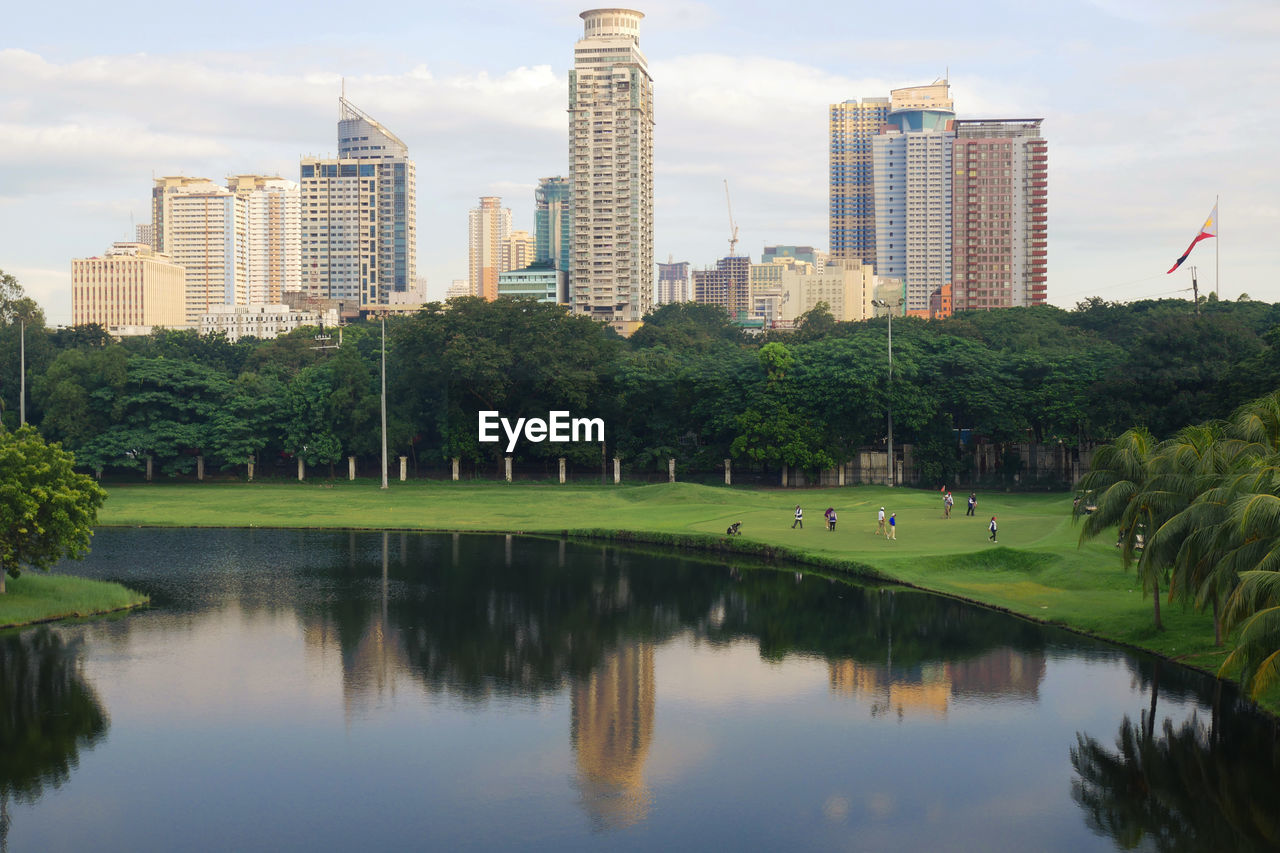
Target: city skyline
[(1142, 102)]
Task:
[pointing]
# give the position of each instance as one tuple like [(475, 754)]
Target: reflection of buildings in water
[(611, 727), (919, 690), (371, 665), (1001, 673)]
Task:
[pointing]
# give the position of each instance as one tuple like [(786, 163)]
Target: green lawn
[(36, 597), (1036, 570)]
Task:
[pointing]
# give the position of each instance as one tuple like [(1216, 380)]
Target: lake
[(319, 690)]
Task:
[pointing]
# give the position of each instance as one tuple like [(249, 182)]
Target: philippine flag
[(1209, 229)]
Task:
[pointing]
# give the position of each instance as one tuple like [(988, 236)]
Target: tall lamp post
[(384, 402), (22, 376), (890, 306)]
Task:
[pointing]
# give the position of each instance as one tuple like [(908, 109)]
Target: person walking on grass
[(880, 531), (973, 502), (993, 527), (893, 526), (799, 522), (947, 503), (831, 519)]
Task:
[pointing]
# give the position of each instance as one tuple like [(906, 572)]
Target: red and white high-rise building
[(999, 214)]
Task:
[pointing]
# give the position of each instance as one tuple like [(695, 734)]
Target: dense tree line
[(689, 383)]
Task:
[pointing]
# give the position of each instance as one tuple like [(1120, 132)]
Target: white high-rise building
[(611, 170), (911, 165), (358, 215), (275, 252), (488, 233), (204, 229)]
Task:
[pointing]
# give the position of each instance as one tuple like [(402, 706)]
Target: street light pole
[(889, 306), (384, 401), (892, 460), (22, 374)]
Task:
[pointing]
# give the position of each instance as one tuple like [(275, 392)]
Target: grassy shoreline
[(34, 598), (1036, 571)]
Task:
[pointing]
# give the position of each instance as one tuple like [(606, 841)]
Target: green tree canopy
[(47, 510)]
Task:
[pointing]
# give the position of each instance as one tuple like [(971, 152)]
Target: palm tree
[(1197, 468), (1255, 602), (1120, 493)]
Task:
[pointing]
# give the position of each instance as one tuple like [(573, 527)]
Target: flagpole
[(1217, 246)]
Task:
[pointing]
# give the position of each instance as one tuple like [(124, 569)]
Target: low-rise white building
[(781, 292), (262, 321)]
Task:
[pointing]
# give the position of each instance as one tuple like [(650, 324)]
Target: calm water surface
[(341, 691)]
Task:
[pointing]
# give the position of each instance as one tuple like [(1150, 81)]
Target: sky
[(1152, 109)]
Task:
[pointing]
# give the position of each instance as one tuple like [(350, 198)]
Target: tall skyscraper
[(517, 252), (1001, 197), (553, 228), (852, 203), (359, 214), (273, 232), (204, 229), (611, 170), (912, 190), (488, 230)]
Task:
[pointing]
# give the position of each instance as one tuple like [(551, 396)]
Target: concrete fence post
[(784, 475), (507, 466), (617, 470), (455, 469), (840, 474), (351, 467), (404, 467), (302, 470), (562, 470), (671, 470), (250, 463), (728, 473)]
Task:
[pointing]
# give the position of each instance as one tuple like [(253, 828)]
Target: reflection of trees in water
[(47, 714), (1188, 787), (470, 616), (840, 621)]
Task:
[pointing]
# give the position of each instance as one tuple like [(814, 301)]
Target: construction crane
[(733, 227)]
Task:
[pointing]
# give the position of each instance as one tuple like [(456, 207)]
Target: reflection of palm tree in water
[(1189, 787), (611, 728), (47, 714)]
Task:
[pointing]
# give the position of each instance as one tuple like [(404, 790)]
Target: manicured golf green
[(37, 597), (1036, 569)]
